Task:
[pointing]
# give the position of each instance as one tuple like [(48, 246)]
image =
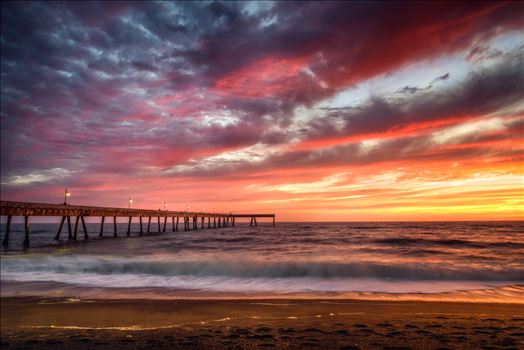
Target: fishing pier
[(146, 217)]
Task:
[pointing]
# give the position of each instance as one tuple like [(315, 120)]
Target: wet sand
[(31, 323)]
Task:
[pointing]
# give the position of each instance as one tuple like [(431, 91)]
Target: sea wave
[(448, 243), (244, 268)]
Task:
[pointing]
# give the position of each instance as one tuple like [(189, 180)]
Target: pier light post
[(165, 206), (130, 203), (66, 194), (187, 208)]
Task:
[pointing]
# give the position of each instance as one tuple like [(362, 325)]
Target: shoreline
[(58, 323), (506, 294)]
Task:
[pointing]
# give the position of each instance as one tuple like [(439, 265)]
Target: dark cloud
[(410, 90), (143, 66), (442, 77), (84, 82)]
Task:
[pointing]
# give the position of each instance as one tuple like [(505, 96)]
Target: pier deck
[(66, 211)]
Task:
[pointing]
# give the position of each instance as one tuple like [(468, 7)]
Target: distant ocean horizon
[(454, 260)]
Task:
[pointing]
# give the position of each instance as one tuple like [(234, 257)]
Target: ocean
[(477, 261)]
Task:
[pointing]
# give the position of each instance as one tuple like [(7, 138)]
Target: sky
[(315, 111)]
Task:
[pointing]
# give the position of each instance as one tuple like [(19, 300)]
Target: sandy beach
[(34, 323)]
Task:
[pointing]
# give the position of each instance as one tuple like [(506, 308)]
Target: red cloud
[(264, 78)]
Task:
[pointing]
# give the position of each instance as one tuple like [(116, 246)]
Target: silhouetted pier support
[(5, 241), (102, 226), (129, 226), (86, 236), (57, 237), (69, 233), (253, 218), (26, 231), (79, 218), (10, 209), (76, 227)]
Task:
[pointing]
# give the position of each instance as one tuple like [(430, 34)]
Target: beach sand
[(31, 323)]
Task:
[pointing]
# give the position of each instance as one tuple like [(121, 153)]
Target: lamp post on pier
[(66, 194), (129, 203)]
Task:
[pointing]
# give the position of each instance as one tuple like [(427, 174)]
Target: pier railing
[(66, 211)]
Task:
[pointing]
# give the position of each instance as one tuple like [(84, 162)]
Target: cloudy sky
[(314, 111)]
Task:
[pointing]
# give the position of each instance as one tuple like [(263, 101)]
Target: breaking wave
[(103, 265)]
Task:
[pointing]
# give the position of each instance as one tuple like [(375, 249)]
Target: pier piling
[(57, 237), (26, 231), (102, 226), (76, 227), (5, 241), (84, 227), (69, 233)]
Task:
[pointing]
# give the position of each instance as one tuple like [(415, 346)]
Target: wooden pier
[(79, 212)]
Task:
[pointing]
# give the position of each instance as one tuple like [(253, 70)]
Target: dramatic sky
[(313, 111)]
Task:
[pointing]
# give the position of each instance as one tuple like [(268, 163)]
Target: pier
[(146, 217)]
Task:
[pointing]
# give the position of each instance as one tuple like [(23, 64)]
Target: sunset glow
[(325, 111)]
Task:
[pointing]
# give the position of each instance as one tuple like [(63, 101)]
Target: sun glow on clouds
[(455, 133), (246, 156), (480, 195), (221, 119), (326, 184), (268, 106), (40, 176)]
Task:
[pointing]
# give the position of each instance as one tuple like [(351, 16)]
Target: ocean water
[(479, 261)]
